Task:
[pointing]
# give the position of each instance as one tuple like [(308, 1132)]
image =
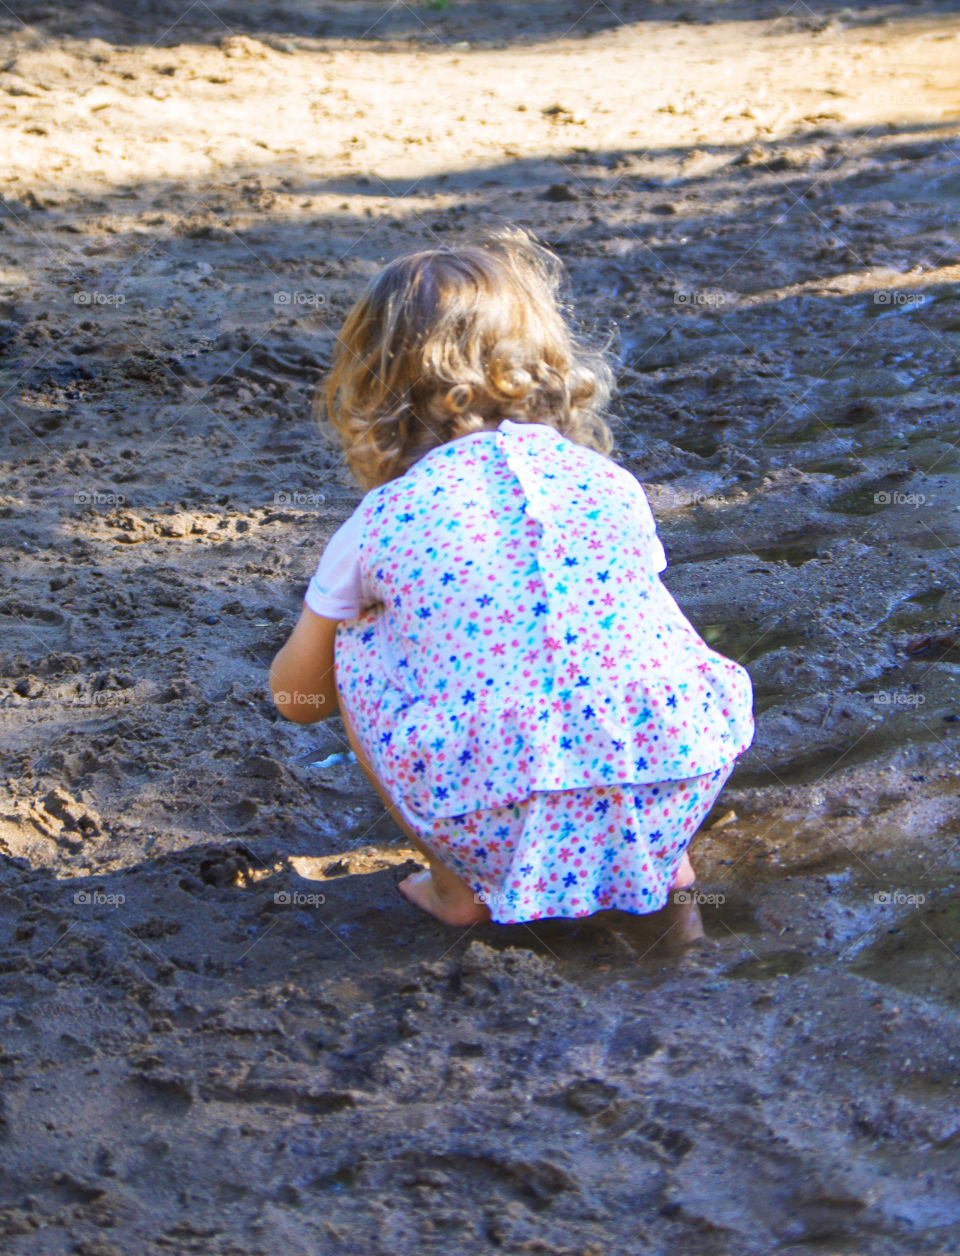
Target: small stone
[(432, 1178), (728, 817), (561, 192), (260, 767), (243, 47), (590, 1096), (15, 1221), (72, 813)]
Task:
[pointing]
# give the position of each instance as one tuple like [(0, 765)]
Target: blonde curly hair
[(447, 341)]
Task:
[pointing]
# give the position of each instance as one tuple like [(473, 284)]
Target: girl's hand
[(302, 680)]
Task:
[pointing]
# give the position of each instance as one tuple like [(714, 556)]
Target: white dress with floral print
[(508, 640)]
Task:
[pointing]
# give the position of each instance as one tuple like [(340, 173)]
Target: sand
[(222, 1030)]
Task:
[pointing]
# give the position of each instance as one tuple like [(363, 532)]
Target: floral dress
[(523, 684)]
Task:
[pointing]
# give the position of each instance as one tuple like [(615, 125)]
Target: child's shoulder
[(442, 470), (554, 453)]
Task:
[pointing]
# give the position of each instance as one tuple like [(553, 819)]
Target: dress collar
[(506, 426)]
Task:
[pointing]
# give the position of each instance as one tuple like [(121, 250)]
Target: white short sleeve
[(658, 553), (647, 522), (336, 588)]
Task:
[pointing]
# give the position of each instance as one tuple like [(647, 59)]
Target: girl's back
[(526, 639)]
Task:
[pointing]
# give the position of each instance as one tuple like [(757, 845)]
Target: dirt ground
[(222, 1030)]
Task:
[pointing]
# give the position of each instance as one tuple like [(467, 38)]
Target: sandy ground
[(222, 1030)]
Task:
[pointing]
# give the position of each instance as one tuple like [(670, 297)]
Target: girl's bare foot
[(685, 874), (446, 897)]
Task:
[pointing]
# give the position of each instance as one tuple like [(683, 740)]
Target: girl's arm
[(302, 680)]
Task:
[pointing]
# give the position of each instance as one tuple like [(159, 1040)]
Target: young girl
[(518, 685)]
